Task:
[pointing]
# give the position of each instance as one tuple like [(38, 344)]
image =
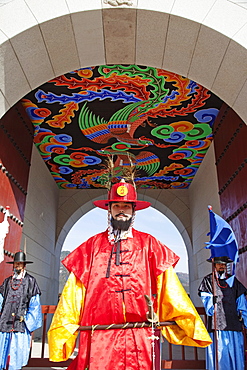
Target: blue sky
[(148, 220)]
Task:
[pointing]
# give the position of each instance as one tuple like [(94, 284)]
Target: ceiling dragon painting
[(159, 121)]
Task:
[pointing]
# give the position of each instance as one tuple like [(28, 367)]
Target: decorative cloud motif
[(162, 121)]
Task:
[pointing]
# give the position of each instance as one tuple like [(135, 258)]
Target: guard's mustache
[(221, 271), (121, 214), (17, 271)]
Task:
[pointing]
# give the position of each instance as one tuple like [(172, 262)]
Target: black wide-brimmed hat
[(222, 259), (20, 257)]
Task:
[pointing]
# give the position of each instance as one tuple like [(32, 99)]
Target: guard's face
[(220, 267), (19, 267), (121, 211)]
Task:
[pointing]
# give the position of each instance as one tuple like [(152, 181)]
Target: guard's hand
[(240, 316), (215, 299), (153, 317)]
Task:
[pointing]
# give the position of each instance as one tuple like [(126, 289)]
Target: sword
[(151, 317), (126, 325)]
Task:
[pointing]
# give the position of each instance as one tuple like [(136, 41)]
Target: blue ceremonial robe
[(230, 336), (17, 343)]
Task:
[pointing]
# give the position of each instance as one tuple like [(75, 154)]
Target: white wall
[(202, 192), (39, 228)]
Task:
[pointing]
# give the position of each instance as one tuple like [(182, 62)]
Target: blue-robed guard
[(229, 305), (20, 314), (224, 300)]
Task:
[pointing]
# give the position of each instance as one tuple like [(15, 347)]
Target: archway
[(100, 30), (150, 221)]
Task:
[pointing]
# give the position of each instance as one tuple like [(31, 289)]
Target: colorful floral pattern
[(160, 121)]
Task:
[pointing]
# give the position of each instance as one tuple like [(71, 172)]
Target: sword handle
[(151, 315)]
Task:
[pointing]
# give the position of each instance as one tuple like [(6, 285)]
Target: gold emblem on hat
[(122, 190)]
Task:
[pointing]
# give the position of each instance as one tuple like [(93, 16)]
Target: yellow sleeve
[(63, 330), (175, 305)]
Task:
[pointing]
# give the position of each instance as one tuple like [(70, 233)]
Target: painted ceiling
[(157, 120)]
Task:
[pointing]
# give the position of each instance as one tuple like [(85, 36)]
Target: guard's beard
[(17, 271), (122, 225), (221, 272)]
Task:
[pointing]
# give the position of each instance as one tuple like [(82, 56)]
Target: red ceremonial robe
[(117, 299), (91, 298)]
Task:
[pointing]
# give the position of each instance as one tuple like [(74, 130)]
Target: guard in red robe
[(109, 276)]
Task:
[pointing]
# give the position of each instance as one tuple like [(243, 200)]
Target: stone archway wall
[(201, 40)]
